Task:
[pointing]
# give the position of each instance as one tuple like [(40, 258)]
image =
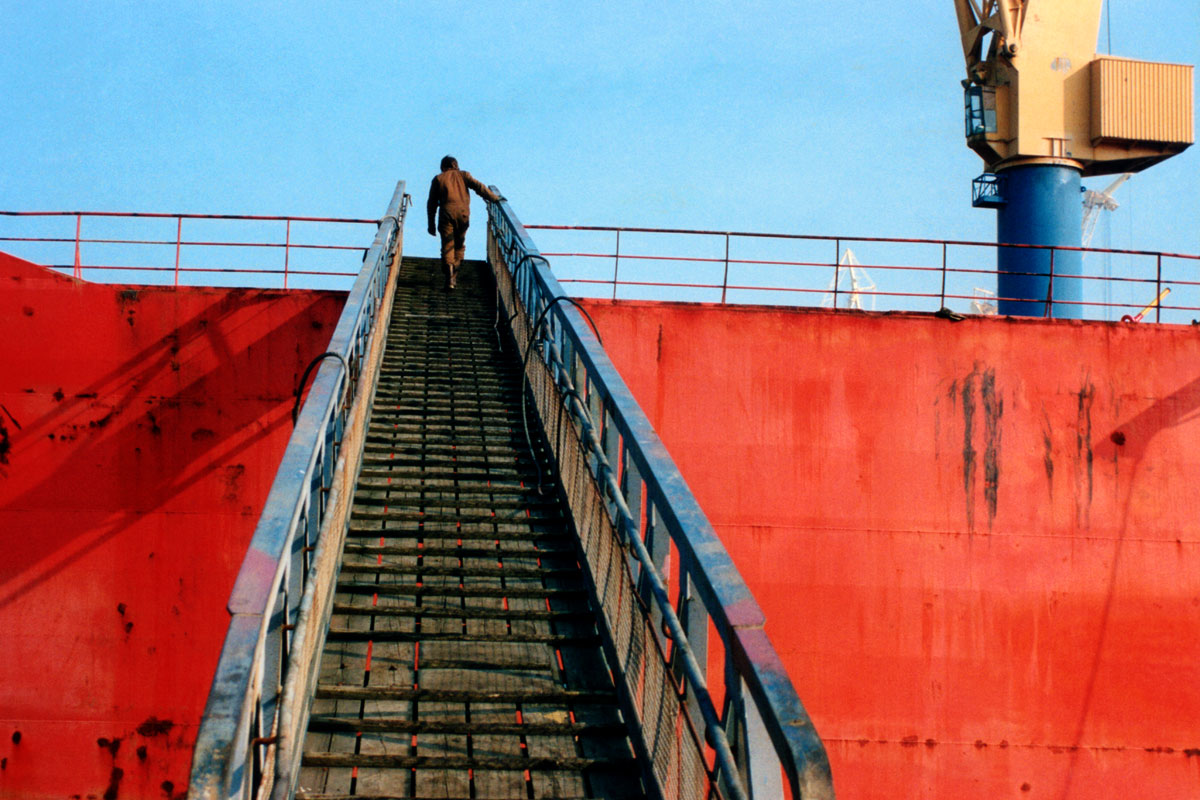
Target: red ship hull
[(140, 430), (974, 541)]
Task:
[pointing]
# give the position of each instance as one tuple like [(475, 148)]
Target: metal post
[(734, 719), (837, 260), (1050, 289), (78, 267), (725, 279), (287, 243), (178, 243), (1158, 288), (616, 264), (943, 297)]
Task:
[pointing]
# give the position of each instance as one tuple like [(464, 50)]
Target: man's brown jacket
[(448, 191)]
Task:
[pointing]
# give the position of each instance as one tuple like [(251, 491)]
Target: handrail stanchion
[(287, 243), (78, 273), (178, 245), (942, 296), (1158, 288), (837, 269), (725, 278), (1049, 310), (616, 264)]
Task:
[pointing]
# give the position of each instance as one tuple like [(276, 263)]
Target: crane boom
[(976, 20)]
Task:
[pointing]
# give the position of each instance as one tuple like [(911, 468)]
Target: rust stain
[(153, 726), (1087, 395), (111, 745), (1048, 451), (937, 430), (993, 410), (1083, 448), (5, 443), (100, 423), (114, 783), (200, 434), (58, 395), (233, 478), (126, 300), (968, 452)]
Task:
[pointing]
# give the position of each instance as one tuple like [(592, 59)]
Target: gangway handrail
[(644, 495), (260, 696)]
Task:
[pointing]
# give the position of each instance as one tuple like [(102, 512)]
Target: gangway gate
[(530, 515)]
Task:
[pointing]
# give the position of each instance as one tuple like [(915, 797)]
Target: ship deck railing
[(181, 249), (866, 273)]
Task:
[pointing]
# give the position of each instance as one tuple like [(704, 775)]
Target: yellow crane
[(1044, 109)]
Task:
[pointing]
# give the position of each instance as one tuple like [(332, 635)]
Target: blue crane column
[(1041, 207)]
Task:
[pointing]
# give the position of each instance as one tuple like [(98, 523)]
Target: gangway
[(479, 574)]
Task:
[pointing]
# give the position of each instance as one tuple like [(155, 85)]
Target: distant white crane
[(1093, 202), (984, 302), (852, 281)]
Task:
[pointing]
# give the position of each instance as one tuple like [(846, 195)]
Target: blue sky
[(793, 117)]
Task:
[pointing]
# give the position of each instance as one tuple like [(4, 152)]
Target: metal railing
[(249, 739), (637, 519), (811, 270), (186, 260)]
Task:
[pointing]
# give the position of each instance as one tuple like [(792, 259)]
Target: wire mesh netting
[(680, 763)]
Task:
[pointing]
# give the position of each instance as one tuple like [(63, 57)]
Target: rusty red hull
[(140, 429), (974, 542)]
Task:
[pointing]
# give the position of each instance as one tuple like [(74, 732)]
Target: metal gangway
[(478, 573)]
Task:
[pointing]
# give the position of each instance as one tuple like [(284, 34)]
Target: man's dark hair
[(449, 162)]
